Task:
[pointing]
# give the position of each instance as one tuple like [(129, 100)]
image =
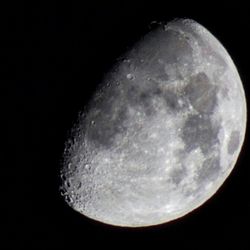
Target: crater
[(234, 142), (198, 131), (201, 93)]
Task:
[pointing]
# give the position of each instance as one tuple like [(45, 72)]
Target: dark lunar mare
[(106, 119), (234, 142), (169, 97), (209, 170), (177, 175), (198, 131), (201, 93)]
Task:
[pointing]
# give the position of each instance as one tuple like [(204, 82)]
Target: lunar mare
[(162, 132)]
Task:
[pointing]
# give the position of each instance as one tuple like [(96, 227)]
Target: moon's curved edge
[(218, 184)]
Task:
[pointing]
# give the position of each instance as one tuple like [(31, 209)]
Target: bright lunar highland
[(162, 132)]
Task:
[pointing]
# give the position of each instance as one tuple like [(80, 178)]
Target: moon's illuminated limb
[(163, 132)]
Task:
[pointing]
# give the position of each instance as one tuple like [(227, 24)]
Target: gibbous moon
[(162, 132)]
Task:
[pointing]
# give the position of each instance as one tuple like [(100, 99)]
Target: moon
[(162, 132)]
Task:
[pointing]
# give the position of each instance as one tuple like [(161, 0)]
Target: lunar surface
[(161, 134)]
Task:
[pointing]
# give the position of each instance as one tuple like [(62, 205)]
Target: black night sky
[(52, 56)]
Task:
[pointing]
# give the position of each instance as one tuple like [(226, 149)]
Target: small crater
[(234, 142), (79, 185), (130, 76)]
